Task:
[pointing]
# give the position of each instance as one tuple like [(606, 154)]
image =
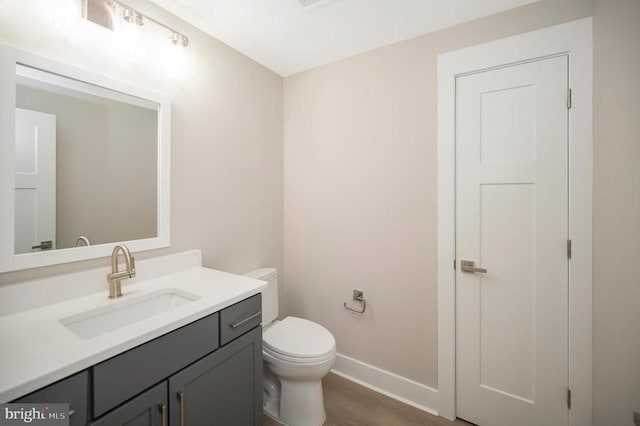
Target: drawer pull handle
[(181, 399), (247, 319), (163, 409), (71, 411)]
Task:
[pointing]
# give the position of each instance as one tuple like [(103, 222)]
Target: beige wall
[(360, 196), (616, 372), (106, 157), (226, 176), (360, 190)]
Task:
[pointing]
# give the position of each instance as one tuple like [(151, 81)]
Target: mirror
[(85, 164), (88, 164)]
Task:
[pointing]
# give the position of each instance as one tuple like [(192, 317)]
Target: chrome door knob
[(469, 266)]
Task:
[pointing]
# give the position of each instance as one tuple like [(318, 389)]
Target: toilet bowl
[(297, 354)]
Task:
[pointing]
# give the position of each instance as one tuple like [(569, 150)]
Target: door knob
[(44, 245), (468, 266)]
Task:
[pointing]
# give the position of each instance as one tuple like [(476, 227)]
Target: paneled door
[(35, 191), (511, 244)]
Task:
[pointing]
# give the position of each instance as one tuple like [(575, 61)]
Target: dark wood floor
[(349, 404)]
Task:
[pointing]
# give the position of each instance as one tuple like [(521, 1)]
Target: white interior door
[(35, 167), (512, 220)]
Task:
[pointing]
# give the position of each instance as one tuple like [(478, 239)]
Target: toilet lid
[(300, 338)]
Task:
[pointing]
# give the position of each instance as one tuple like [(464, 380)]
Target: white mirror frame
[(9, 261)]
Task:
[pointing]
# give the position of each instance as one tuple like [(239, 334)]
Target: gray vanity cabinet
[(124, 376), (224, 388), (206, 373), (148, 409)]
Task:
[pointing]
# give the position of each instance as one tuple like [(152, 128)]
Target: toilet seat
[(295, 360), (299, 341)]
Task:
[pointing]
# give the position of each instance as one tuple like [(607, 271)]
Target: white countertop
[(37, 349)]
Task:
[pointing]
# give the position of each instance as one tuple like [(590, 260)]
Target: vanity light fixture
[(127, 13), (132, 16), (179, 39)]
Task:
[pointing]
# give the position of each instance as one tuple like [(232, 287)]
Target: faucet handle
[(132, 271)]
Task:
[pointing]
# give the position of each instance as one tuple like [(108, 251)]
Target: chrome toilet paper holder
[(358, 296)]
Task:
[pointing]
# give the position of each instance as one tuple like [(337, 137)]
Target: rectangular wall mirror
[(85, 164)]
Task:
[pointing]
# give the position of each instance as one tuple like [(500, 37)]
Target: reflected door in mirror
[(35, 181)]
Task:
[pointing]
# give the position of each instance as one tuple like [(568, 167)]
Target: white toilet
[(297, 354)]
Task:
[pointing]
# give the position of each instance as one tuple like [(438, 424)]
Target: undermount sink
[(97, 322)]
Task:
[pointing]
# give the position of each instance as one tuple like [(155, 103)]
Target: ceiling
[(287, 37)]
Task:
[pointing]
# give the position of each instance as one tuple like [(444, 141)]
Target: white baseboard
[(392, 385)]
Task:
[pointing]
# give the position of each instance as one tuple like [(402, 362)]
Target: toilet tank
[(269, 294)]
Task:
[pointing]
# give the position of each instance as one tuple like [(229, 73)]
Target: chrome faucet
[(114, 278)]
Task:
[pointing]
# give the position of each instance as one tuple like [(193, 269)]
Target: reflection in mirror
[(85, 164)]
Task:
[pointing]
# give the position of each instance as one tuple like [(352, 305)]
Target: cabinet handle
[(249, 318), (181, 399), (163, 409)]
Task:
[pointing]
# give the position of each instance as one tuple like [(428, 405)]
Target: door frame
[(575, 40)]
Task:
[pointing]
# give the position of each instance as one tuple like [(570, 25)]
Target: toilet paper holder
[(358, 296)]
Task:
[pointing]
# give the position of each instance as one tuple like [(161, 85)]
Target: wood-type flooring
[(350, 404)]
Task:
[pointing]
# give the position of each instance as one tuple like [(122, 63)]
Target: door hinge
[(569, 249), (454, 264), (569, 399), (569, 99)]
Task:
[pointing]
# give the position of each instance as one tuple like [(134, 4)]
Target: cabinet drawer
[(126, 375), (239, 318), (73, 390)]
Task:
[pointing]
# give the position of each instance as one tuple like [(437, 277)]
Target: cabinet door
[(148, 409), (224, 388), (73, 390)]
